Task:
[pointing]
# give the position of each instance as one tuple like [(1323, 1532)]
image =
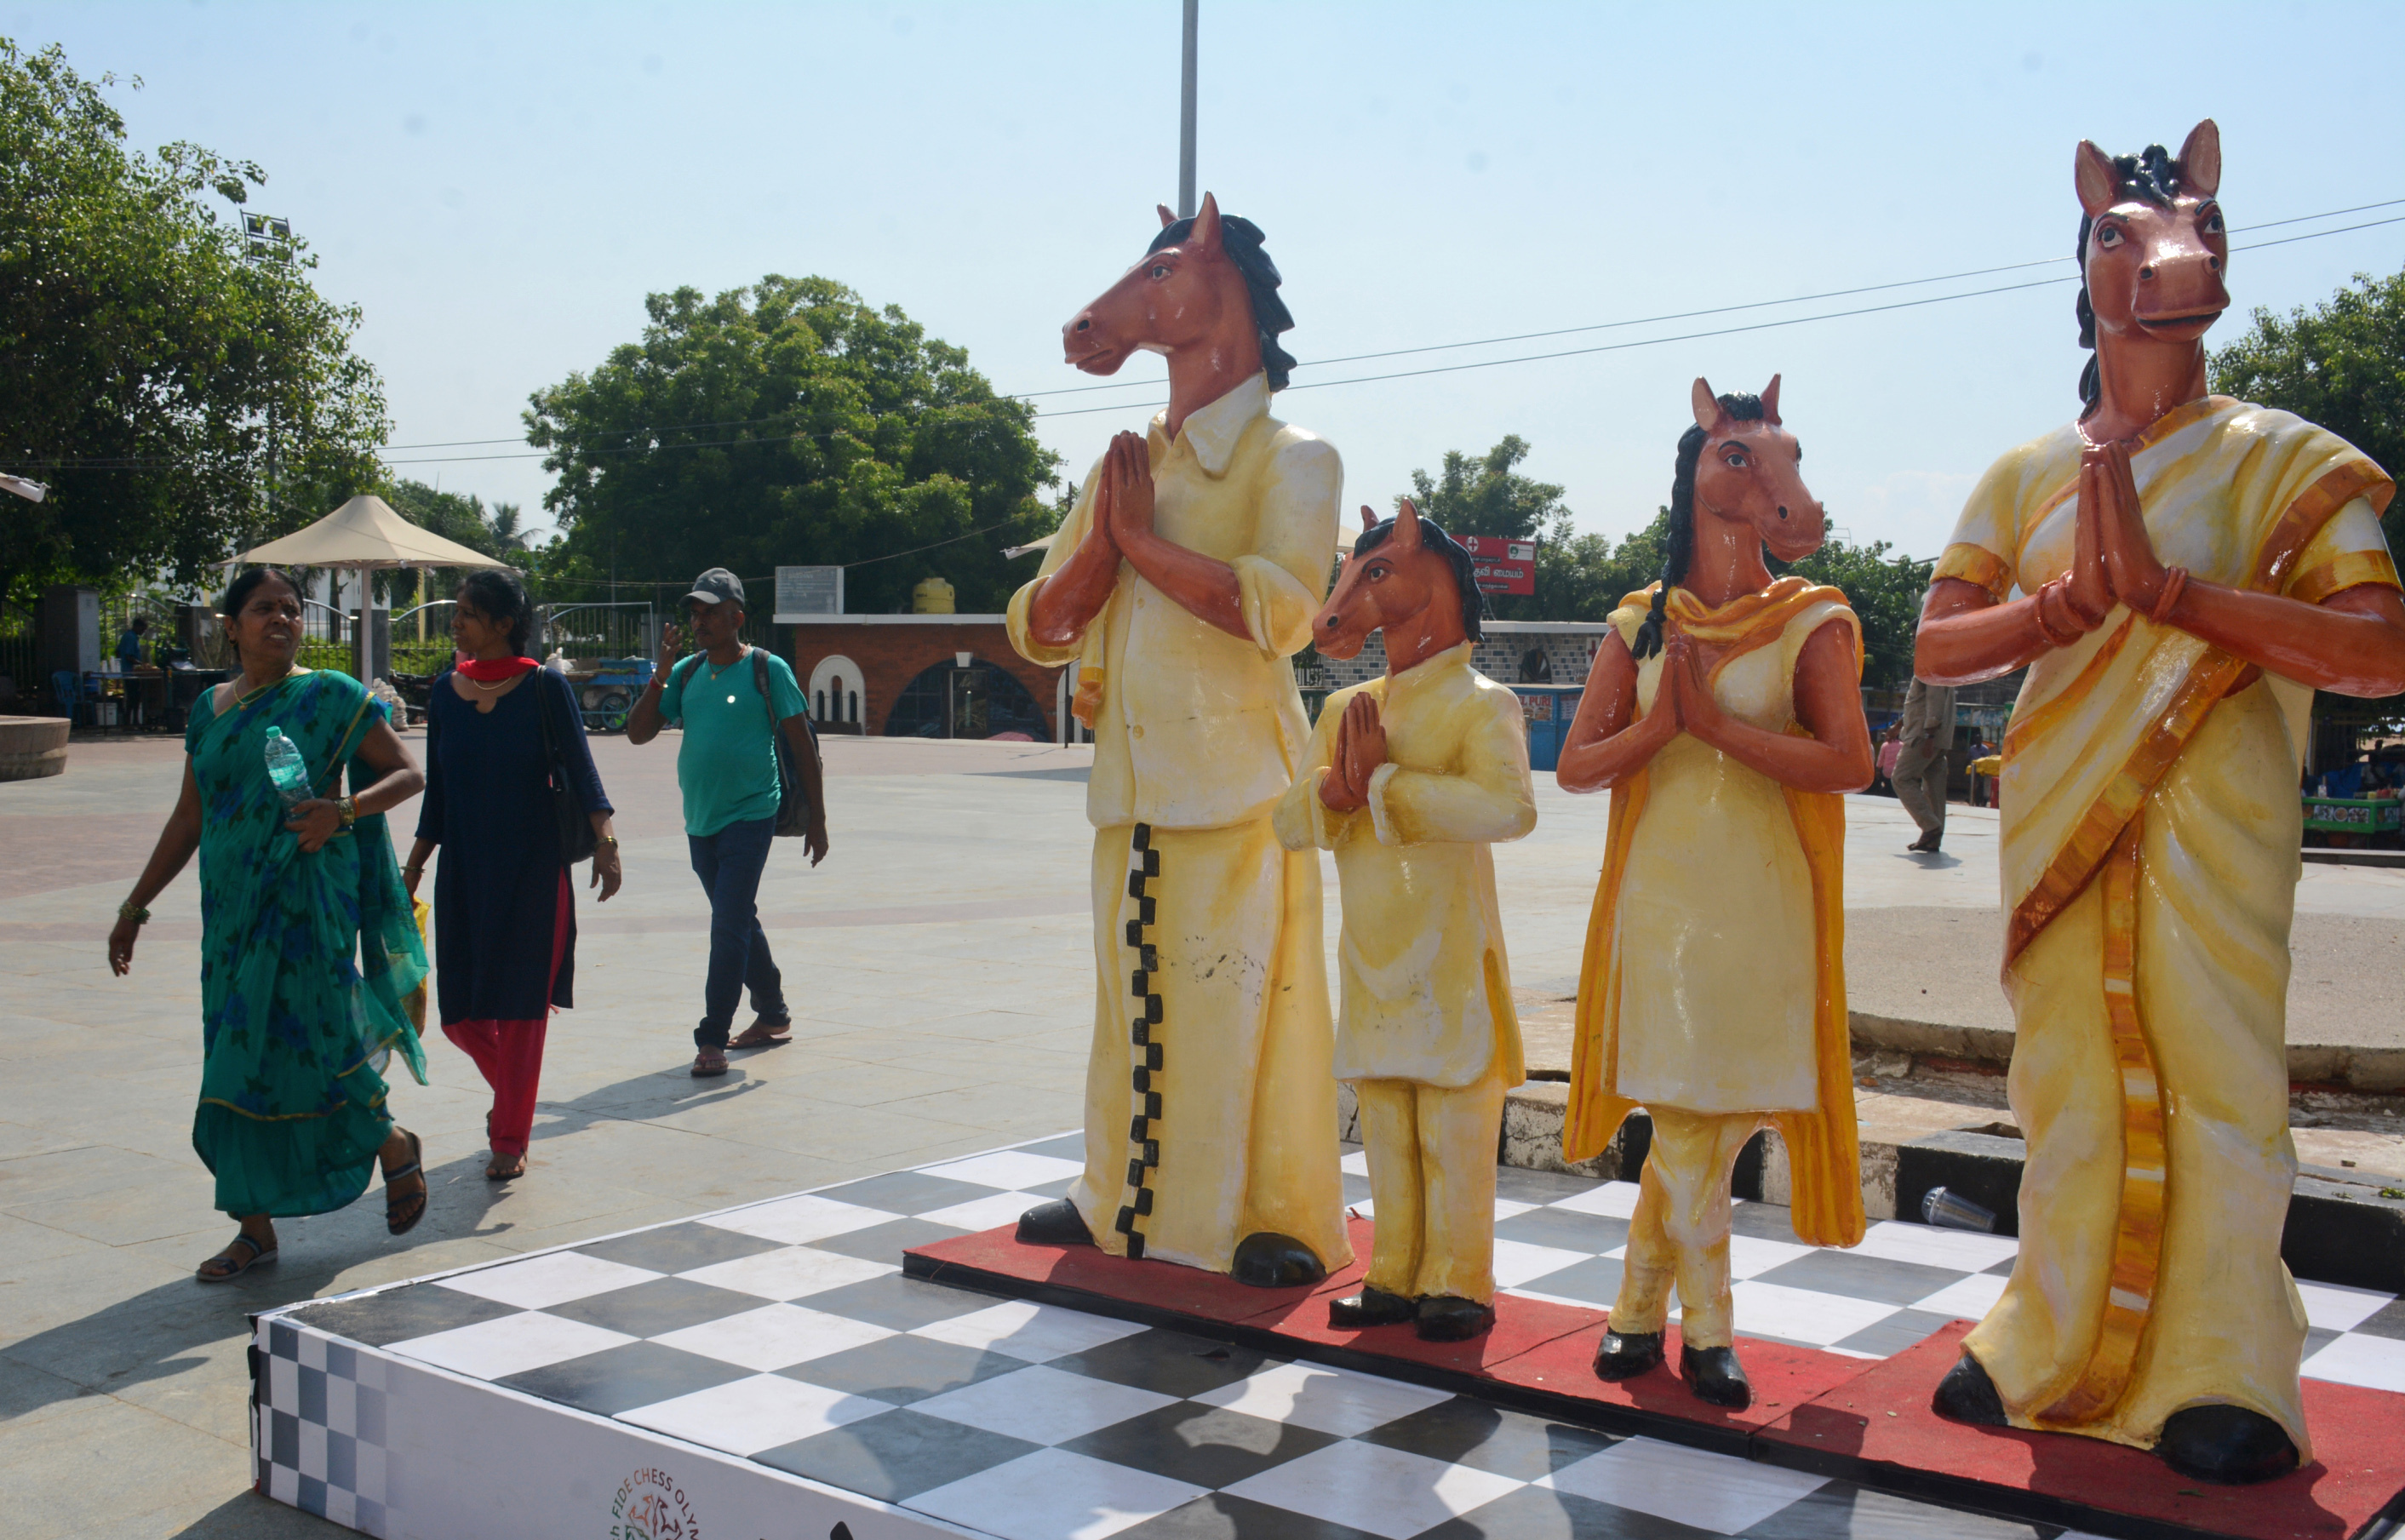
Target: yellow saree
[(2150, 838)]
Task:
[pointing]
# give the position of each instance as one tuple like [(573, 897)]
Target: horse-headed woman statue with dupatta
[(1724, 713)]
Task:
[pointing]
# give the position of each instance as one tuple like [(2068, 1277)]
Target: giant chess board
[(771, 1371)]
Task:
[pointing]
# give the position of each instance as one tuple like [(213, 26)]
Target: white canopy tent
[(365, 535)]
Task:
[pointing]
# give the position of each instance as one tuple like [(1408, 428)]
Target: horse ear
[(1708, 415), (1206, 227), (1167, 218), (1407, 526), (2199, 160), (1368, 517), (2093, 175), (1770, 401)]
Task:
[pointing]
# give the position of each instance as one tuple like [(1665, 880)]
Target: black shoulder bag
[(793, 798), (577, 840)]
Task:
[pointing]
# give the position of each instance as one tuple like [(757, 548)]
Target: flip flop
[(394, 1209), (709, 1062), (505, 1167), (761, 1034), (260, 1258)]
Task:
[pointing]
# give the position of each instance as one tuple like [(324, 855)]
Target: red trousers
[(510, 1054)]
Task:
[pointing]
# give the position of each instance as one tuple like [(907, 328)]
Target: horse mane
[(2153, 175), (1465, 569), (1680, 549), (1241, 239)]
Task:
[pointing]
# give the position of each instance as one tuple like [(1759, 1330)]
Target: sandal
[(709, 1062), (232, 1268), (505, 1167), (401, 1213), (764, 1033)]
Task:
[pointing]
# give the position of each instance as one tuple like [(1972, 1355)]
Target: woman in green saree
[(308, 947)]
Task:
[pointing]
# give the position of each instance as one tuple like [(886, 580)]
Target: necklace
[(242, 702)]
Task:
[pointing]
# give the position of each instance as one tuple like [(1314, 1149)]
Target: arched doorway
[(975, 701), (835, 695)]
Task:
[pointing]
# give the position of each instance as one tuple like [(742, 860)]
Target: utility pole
[(1185, 198)]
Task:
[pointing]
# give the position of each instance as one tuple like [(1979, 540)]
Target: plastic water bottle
[(287, 769)]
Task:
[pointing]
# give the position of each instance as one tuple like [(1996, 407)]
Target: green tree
[(2341, 364), (791, 423), (154, 377), (1885, 592)]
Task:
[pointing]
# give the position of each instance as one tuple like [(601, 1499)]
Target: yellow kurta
[(1210, 1108), (1427, 1035), (1670, 1011), (2151, 836)]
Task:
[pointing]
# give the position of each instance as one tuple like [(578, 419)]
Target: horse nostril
[(2214, 263), (1083, 323), (2146, 273), (1782, 510)]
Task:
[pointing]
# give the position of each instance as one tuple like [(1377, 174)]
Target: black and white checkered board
[(783, 1332)]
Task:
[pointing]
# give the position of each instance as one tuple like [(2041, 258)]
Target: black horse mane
[(2152, 175), (1241, 239), (1465, 569), (1681, 548)]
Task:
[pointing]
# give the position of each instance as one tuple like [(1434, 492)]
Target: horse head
[(1406, 578), (1749, 472), (2153, 252), (1205, 289)]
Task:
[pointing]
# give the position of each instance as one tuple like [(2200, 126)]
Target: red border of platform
[(1865, 1420)]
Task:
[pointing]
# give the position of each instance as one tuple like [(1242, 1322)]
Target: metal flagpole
[(1185, 121)]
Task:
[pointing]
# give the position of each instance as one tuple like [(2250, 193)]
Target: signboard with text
[(805, 593), (1503, 567)]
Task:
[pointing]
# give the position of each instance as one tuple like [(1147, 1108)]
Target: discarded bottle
[(287, 769), (1953, 1211)]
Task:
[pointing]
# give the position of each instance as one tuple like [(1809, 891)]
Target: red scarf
[(495, 670)]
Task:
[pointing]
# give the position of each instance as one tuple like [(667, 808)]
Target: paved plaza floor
[(940, 967)]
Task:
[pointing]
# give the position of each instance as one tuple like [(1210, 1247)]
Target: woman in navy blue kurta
[(504, 921)]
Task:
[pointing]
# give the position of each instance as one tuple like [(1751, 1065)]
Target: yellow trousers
[(1431, 1151), (1681, 1230)]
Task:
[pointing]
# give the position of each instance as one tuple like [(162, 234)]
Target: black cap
[(717, 586)]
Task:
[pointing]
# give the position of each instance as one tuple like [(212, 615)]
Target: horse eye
[(1160, 272), (2108, 238), (2212, 222)]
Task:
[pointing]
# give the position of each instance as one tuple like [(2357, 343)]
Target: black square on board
[(1566, 1229), (902, 1369), (656, 1307), (1539, 1513), (1843, 1511), (898, 1303), (1066, 1147), (1526, 1186), (1594, 1282), (1764, 1221), (1468, 1432), (1903, 1329), (1223, 1515), (397, 1315), (1879, 1278), (677, 1248), (620, 1378), (1205, 1446), (1171, 1362), (908, 1192), (886, 1242), (2388, 1321), (896, 1455)]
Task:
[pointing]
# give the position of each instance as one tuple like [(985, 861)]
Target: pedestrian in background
[(307, 946), (1920, 767), (498, 730), (1891, 750), (733, 700)]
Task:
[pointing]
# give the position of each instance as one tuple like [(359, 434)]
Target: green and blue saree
[(305, 960)]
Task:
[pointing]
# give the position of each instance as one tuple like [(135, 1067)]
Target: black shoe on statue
[(1624, 1356), (1268, 1260), (1054, 1223), (1967, 1394), (1445, 1318), (1370, 1307), (1715, 1375), (2229, 1444)]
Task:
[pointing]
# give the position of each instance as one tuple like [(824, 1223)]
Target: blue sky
[(498, 185)]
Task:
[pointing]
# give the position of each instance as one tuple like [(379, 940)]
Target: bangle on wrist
[(2056, 591), (2175, 583), (347, 809), (135, 912)]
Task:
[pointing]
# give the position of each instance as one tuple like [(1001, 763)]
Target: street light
[(32, 492)]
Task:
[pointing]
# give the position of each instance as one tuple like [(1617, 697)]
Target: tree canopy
[(147, 357), (1585, 577), (791, 423)]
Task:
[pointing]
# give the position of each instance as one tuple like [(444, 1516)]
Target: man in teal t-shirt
[(726, 768)]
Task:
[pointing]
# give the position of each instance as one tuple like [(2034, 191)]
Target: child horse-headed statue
[(2179, 572), (1409, 777), (1724, 716)]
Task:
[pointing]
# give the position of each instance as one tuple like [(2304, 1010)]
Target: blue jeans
[(728, 863)]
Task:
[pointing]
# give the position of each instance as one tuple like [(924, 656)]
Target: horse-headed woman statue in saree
[(1724, 716), (308, 950), (2179, 572)]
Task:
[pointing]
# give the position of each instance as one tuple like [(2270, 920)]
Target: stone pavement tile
[(22, 1139), (65, 1467), (1001, 1107), (130, 1213), (76, 1172)]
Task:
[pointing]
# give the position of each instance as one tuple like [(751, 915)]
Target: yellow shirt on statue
[(1427, 987), (1195, 728)]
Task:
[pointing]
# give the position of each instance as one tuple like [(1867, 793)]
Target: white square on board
[(799, 1219), (1719, 1493), (795, 1273), (1313, 1395), (773, 1337), (1043, 1406), (1036, 1333), (538, 1283), (1009, 1170), (1389, 1492), (513, 1344), (1055, 1495), (745, 1416)]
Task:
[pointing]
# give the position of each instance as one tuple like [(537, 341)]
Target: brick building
[(922, 676)]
